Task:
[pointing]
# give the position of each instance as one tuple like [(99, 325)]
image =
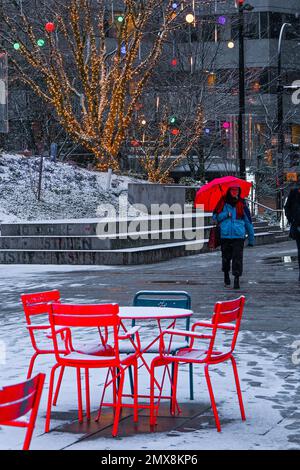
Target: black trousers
[(232, 252)]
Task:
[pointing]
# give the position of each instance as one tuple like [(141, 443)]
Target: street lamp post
[(241, 128), (280, 127), (242, 6)]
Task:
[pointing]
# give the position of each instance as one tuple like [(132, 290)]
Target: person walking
[(292, 212), (233, 216)]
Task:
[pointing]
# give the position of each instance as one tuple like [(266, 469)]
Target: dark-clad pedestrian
[(292, 212), (233, 217)]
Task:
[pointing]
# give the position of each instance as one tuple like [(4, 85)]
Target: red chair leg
[(152, 398), (31, 365), (174, 389), (87, 394), (110, 370), (212, 398), (58, 385), (135, 393), (118, 404), (79, 393), (114, 384), (34, 413), (51, 385), (238, 388), (28, 437)]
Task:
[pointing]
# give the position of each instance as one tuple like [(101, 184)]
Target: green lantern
[(17, 46), (40, 42)]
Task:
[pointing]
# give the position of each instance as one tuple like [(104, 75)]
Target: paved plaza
[(270, 378)]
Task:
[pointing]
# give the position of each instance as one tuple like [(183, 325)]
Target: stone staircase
[(114, 242)]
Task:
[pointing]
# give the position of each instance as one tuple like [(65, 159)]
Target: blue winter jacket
[(231, 227)]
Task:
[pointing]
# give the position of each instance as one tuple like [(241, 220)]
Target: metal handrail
[(281, 211), (262, 205)]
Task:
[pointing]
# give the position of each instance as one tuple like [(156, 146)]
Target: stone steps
[(140, 241)]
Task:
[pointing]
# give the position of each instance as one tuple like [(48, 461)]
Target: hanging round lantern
[(222, 20), (175, 131), (230, 45), (174, 62), (135, 143), (226, 125), (50, 27), (189, 18), (17, 46), (40, 42)]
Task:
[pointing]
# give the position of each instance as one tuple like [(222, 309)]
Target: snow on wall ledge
[(68, 192)]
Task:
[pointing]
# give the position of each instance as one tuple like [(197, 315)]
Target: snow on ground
[(263, 402), (68, 192), (269, 382)]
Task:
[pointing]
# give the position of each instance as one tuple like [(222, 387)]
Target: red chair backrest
[(36, 303), (70, 315), (227, 312), (17, 400)]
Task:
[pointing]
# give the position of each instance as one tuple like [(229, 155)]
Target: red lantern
[(175, 131), (50, 27), (174, 62), (135, 143)]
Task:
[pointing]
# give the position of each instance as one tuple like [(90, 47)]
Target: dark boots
[(226, 279), (236, 284)]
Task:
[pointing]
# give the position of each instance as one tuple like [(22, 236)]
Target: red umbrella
[(210, 194)]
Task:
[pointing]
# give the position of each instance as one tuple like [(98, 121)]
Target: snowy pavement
[(269, 378)]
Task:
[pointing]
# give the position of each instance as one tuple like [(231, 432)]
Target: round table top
[(155, 313)]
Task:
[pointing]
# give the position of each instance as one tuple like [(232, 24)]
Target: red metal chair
[(224, 316), (86, 316), (18, 400), (34, 305)]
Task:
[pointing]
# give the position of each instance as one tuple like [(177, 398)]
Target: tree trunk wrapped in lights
[(82, 73)]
